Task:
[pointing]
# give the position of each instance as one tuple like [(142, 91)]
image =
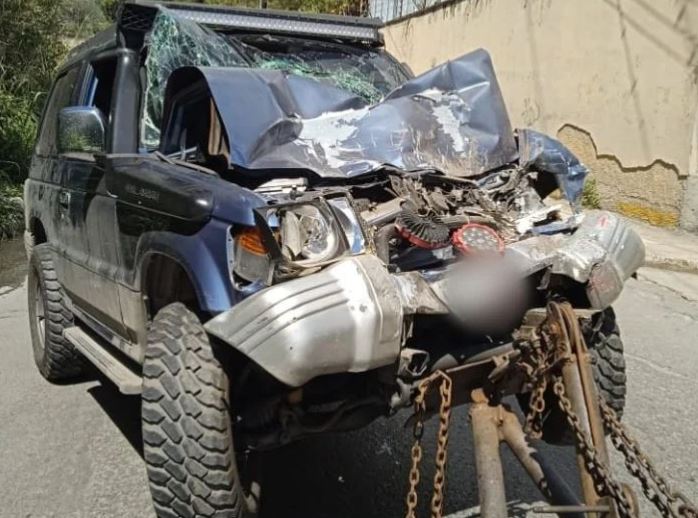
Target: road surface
[(74, 450)]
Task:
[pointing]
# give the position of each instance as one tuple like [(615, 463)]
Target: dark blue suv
[(269, 228)]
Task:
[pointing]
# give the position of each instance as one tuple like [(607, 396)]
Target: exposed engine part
[(413, 363), (383, 212), (474, 238), (422, 231), (382, 240)]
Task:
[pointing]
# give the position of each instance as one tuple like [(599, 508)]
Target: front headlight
[(307, 236), (310, 233)]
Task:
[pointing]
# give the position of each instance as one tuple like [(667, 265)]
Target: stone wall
[(616, 80)]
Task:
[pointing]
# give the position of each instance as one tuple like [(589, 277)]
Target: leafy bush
[(11, 211), (17, 131)]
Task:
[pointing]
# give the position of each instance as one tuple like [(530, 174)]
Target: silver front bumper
[(349, 316), (346, 318)]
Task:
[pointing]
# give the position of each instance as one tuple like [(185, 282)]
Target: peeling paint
[(651, 192)]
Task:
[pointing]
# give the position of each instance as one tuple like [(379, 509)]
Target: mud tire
[(49, 316), (187, 429), (606, 349)]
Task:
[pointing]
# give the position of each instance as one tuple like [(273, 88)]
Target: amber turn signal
[(250, 238)]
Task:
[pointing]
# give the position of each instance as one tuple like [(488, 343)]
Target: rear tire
[(187, 428), (49, 316)]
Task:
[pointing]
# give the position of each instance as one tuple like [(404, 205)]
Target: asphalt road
[(74, 450)]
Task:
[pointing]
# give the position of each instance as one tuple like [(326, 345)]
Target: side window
[(60, 97), (101, 86)]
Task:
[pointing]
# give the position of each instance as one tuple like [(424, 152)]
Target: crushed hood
[(451, 118)]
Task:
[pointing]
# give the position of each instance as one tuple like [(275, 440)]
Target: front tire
[(49, 316), (187, 428)]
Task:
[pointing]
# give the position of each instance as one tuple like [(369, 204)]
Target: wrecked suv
[(269, 228)]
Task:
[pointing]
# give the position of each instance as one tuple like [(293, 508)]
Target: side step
[(112, 367)]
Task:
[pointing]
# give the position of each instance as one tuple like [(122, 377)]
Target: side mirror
[(81, 129)]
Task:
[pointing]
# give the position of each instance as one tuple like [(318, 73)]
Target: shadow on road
[(362, 473), (124, 411), (365, 473)]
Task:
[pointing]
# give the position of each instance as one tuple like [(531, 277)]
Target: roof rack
[(138, 15)]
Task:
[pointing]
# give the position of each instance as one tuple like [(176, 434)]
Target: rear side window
[(61, 96)]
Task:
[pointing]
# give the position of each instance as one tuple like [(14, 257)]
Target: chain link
[(538, 375), (437, 500), (541, 367), (544, 356), (599, 472), (445, 393), (654, 486)]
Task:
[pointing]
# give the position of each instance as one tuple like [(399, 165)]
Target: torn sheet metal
[(452, 119), (549, 155)]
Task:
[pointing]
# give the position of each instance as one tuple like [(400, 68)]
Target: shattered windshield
[(175, 42), (367, 74)]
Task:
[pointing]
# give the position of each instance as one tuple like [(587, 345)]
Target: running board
[(112, 367)]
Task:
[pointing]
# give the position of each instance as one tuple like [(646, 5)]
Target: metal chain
[(445, 392), (437, 500), (539, 377), (416, 453), (599, 472), (655, 487)]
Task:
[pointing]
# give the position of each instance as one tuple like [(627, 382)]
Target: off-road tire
[(55, 357), (187, 428), (602, 336), (606, 349)]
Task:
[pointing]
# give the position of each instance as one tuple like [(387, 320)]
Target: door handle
[(64, 199)]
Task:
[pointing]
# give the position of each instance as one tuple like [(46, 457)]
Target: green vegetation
[(590, 195)]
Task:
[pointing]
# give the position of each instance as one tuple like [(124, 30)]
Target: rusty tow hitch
[(551, 360)]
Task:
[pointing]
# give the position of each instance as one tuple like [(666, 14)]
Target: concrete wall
[(616, 80)]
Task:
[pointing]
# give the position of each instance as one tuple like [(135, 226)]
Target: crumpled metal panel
[(549, 155), (345, 318), (452, 119), (602, 254)]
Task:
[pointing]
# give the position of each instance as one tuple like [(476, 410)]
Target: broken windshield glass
[(365, 73), (173, 43)]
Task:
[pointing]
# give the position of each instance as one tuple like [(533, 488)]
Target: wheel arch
[(164, 281)]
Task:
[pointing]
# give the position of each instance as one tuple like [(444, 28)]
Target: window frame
[(49, 150)]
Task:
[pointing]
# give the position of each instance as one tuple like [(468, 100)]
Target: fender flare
[(202, 256)]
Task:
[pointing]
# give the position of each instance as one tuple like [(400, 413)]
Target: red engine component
[(474, 238), (422, 231)]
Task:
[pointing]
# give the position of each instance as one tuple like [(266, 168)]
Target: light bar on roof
[(278, 23)]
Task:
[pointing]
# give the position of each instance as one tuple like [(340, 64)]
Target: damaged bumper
[(349, 317)]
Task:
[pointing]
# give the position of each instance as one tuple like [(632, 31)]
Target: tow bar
[(550, 354)]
